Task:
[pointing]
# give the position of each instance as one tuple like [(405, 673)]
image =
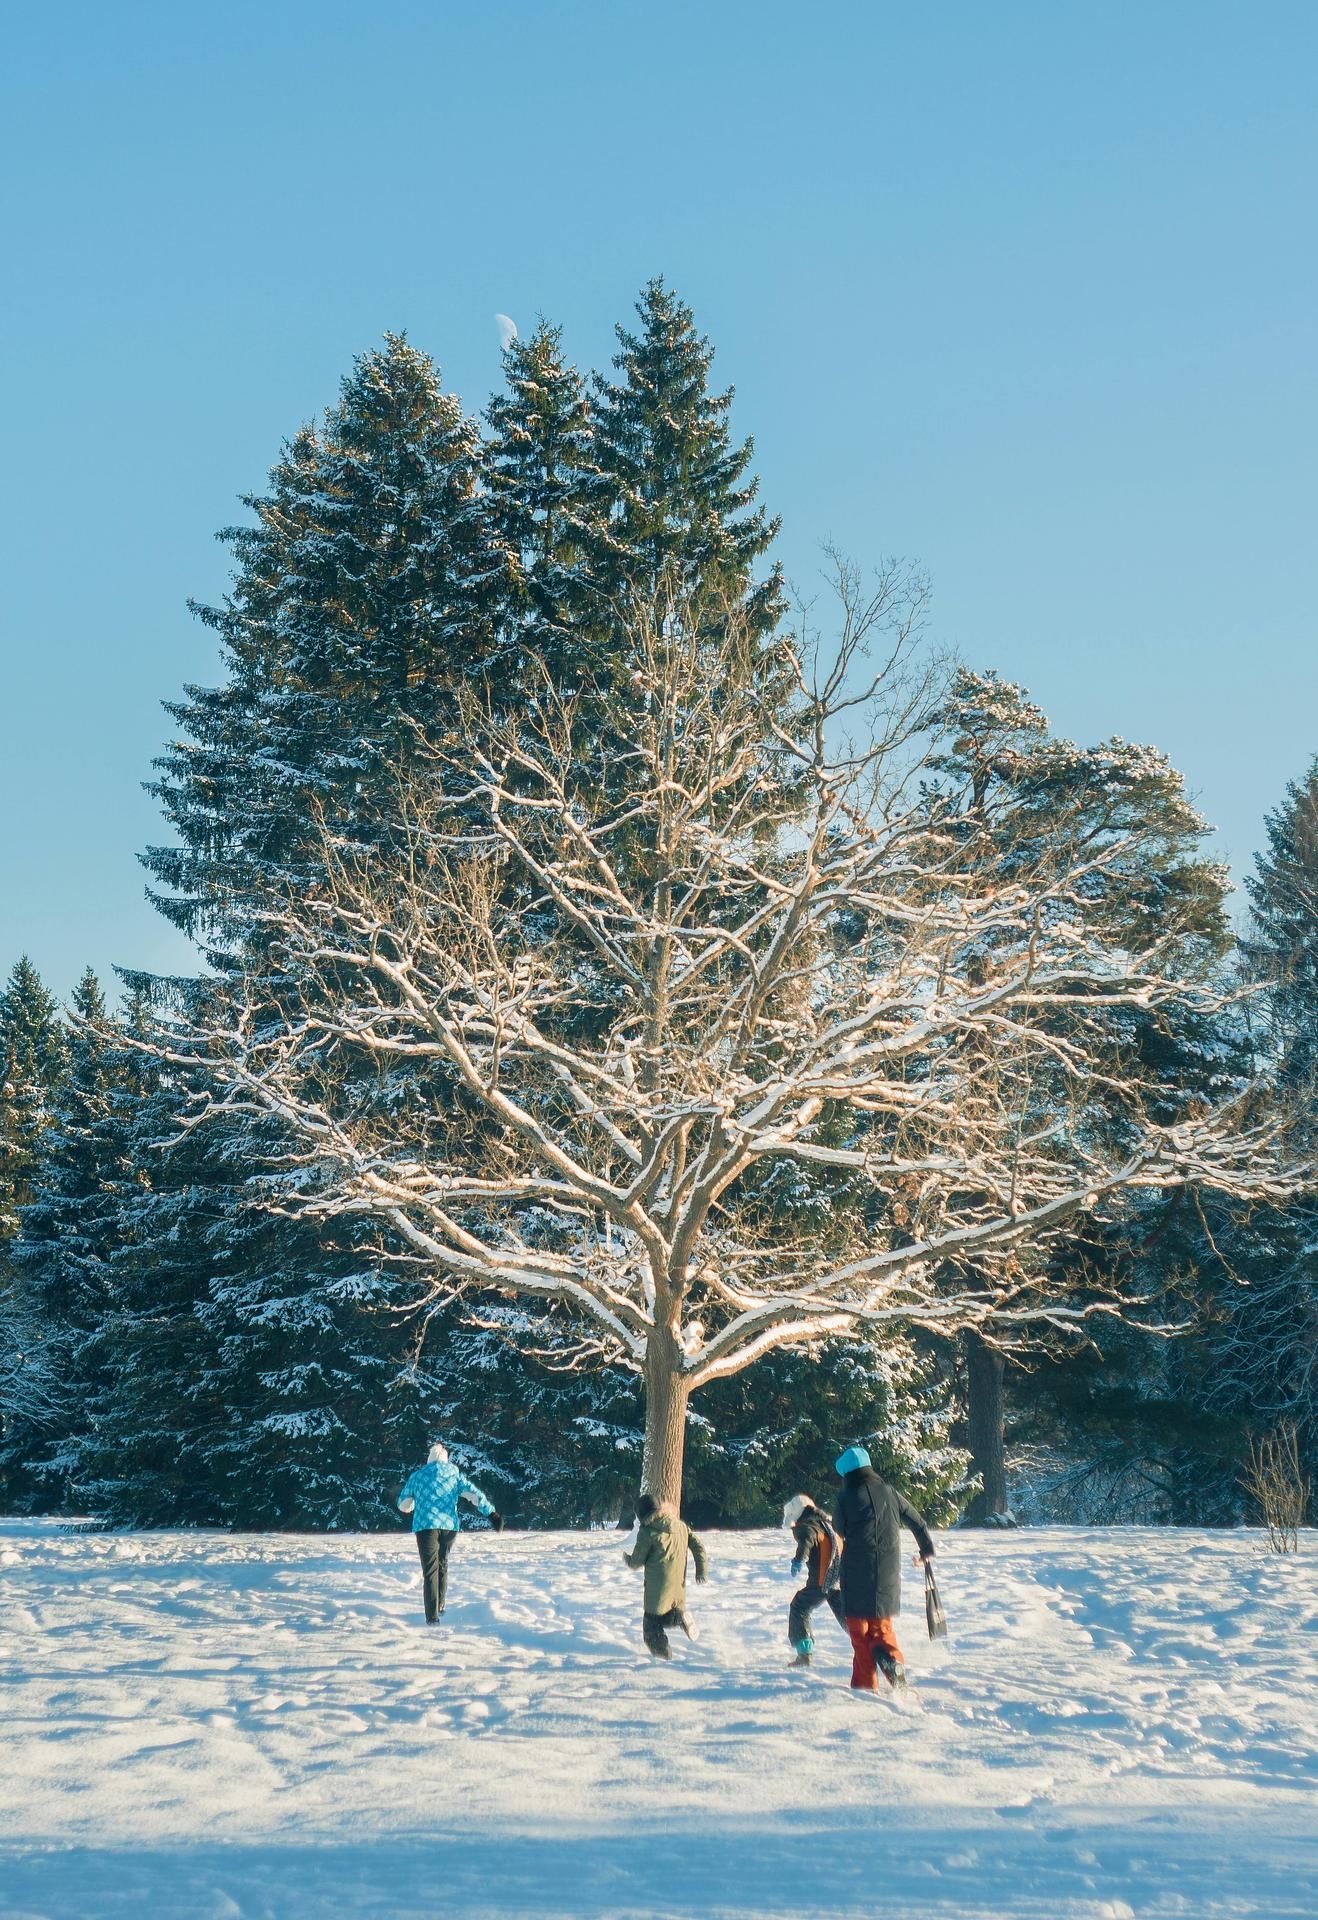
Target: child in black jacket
[(818, 1557)]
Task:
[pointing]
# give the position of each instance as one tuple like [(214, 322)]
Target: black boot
[(656, 1640), (892, 1670)]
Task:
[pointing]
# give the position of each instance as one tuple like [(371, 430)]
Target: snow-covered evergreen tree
[(60, 1255), (1135, 1425), (682, 506), (1263, 1349), (107, 1269), (759, 1437), (1261, 1368), (365, 601), (223, 1385), (547, 502), (565, 1448), (1010, 781), (1281, 942), (140, 1453), (33, 1063), (364, 595), (1243, 1281)]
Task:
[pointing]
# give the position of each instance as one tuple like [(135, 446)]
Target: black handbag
[(933, 1606)]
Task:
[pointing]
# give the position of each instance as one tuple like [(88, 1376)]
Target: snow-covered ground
[(1121, 1723)]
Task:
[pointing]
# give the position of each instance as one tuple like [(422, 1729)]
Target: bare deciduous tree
[(620, 989)]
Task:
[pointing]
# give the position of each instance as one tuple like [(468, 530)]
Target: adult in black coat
[(869, 1517)]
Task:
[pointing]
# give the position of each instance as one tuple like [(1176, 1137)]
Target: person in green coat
[(662, 1544)]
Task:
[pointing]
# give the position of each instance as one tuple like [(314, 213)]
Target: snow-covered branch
[(723, 1035)]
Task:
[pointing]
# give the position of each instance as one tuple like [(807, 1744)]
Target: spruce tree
[(1281, 943), (220, 1385), (682, 508), (60, 1254), (557, 1449), (307, 1371), (547, 502), (1261, 1361), (365, 595), (33, 1063), (140, 1454), (364, 605), (1172, 1419)]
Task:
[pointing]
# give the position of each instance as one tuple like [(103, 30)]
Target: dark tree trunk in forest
[(984, 1429), (666, 1396)]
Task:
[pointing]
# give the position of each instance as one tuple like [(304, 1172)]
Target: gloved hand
[(496, 1521), (701, 1579), (797, 1569)]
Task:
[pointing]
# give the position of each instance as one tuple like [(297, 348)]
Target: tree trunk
[(984, 1430), (666, 1396)]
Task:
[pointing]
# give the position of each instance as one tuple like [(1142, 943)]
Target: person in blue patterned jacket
[(431, 1496)]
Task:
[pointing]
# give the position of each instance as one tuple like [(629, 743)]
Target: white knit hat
[(795, 1507)]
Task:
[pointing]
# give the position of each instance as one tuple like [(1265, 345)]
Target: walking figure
[(869, 1516), (662, 1544), (819, 1558), (431, 1496)]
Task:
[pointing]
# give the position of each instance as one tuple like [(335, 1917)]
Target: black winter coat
[(869, 1516)]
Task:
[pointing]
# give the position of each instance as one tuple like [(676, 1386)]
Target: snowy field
[(261, 1728)]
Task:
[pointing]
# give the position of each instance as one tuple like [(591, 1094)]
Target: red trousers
[(869, 1637)]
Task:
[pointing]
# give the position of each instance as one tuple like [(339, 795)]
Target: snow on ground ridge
[(1122, 1722)]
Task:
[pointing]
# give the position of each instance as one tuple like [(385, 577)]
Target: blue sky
[(1027, 292)]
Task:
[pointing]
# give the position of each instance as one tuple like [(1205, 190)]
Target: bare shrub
[(1275, 1480)]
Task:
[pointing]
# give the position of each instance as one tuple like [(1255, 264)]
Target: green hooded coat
[(661, 1548)]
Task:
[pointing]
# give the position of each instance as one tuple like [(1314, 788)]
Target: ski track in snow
[(260, 1727)]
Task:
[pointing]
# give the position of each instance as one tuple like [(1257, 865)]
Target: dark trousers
[(653, 1625), (434, 1545), (804, 1602)]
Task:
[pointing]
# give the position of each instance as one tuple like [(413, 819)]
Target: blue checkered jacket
[(432, 1494)]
